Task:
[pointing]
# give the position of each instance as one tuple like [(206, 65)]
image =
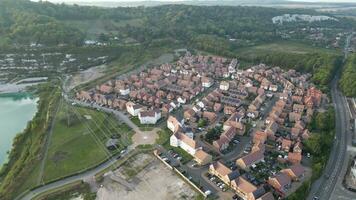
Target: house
[(106, 89), (210, 116), (149, 117), (243, 187), (294, 157), (297, 99), (224, 85), (202, 158), (222, 172), (298, 108), (182, 100), (248, 160), (283, 96), (228, 110), (295, 132), (252, 114), (271, 128), (259, 137), (305, 135), (189, 114), (174, 123), (206, 82), (201, 104), (273, 88), (313, 97), (299, 125), (232, 66), (84, 96), (133, 109), (119, 103), (225, 138), (280, 182), (181, 140), (286, 145), (298, 147), (124, 91), (217, 107), (266, 196), (293, 116), (295, 172), (235, 121), (167, 108), (258, 147)]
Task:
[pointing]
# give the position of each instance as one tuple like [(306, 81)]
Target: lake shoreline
[(18, 110)]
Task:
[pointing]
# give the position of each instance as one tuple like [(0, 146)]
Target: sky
[(183, 0)]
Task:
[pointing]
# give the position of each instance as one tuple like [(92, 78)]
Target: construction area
[(144, 177)]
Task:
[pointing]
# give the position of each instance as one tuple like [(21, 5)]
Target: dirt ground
[(145, 137), (87, 76), (155, 181)]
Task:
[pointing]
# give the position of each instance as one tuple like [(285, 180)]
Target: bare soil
[(155, 182)]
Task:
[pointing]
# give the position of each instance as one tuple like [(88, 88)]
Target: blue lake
[(16, 110)]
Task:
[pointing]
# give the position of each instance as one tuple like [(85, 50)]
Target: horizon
[(127, 1)]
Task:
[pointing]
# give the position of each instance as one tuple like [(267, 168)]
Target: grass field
[(288, 47), (78, 140)]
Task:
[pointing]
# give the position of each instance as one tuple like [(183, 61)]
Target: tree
[(202, 122)]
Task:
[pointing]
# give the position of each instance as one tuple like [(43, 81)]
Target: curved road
[(336, 167), (80, 177)]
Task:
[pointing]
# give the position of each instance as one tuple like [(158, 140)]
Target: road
[(331, 180), (80, 177)]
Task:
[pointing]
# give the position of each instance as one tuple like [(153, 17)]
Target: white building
[(201, 104), (232, 66), (182, 100), (273, 88), (133, 108), (174, 124), (224, 85), (124, 91), (206, 82), (183, 141), (149, 117)]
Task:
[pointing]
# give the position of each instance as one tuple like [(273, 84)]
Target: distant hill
[(265, 3)]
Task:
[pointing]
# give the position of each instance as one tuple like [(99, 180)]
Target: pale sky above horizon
[(335, 1)]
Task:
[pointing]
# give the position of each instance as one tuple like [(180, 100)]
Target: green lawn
[(163, 136), (78, 140)]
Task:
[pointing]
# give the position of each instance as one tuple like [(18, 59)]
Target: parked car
[(207, 193), (236, 141)]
